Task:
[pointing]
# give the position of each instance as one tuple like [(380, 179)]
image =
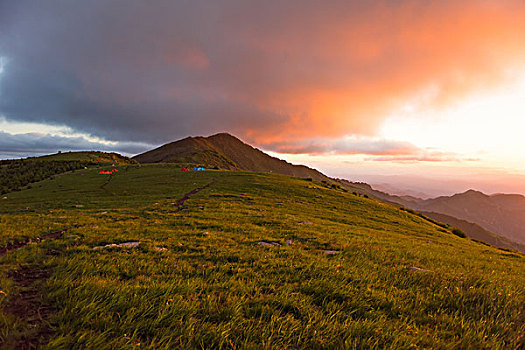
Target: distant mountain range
[(503, 214), (497, 219)]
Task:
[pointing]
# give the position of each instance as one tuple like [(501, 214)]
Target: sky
[(426, 96)]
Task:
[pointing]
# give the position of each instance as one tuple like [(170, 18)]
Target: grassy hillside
[(224, 151), (251, 261), (18, 173)]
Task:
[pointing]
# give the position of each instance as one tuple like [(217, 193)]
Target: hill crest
[(224, 151)]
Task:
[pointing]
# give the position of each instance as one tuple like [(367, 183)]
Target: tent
[(198, 169), (104, 172), (184, 169)]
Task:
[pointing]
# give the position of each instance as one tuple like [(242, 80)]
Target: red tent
[(184, 169)]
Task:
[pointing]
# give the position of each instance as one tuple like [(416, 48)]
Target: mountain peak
[(224, 138), (225, 151), (222, 134), (472, 192)]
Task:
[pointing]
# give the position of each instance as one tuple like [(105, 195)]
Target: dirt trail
[(30, 306), (107, 181), (20, 244), (180, 203)]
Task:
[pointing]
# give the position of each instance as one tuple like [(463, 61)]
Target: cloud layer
[(345, 145), (33, 144), (279, 74)]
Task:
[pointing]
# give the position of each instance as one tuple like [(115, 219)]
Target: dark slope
[(407, 201), (226, 152), (474, 231), (191, 151)]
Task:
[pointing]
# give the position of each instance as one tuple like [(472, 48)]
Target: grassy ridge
[(15, 174), (89, 156), (224, 290), (18, 173)]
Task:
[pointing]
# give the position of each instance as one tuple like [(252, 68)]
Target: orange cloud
[(346, 145), (423, 157), (343, 75), (376, 150)]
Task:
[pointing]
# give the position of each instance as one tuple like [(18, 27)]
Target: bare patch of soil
[(21, 244), (29, 305)]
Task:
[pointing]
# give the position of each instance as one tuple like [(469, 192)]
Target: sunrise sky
[(427, 96)]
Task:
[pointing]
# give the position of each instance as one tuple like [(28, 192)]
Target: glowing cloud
[(267, 71)]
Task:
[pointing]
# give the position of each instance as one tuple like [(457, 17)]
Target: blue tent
[(198, 169)]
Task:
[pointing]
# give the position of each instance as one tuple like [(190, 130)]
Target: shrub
[(459, 232)]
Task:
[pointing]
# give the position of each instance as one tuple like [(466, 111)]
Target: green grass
[(224, 290)]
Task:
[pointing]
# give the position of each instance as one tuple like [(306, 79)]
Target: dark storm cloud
[(267, 71), (121, 70), (32, 144)]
